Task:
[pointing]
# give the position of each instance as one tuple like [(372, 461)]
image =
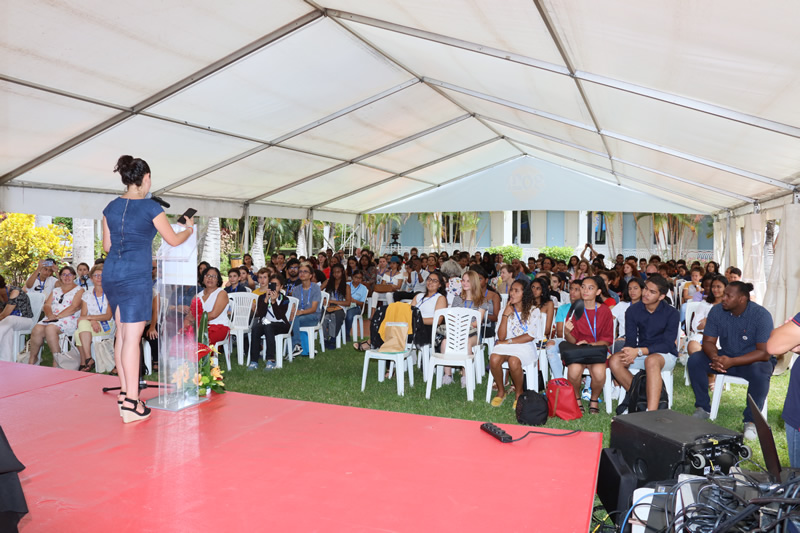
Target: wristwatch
[(640, 352)]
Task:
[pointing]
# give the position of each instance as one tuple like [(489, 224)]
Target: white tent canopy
[(336, 107)]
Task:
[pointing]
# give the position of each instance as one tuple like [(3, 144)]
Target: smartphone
[(188, 214), (273, 286), (49, 263)]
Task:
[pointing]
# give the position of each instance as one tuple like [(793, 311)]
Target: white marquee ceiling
[(345, 106)]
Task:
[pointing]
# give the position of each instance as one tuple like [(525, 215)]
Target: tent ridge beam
[(411, 171), (163, 94), (689, 103), (700, 160), (66, 94), (508, 103), (543, 136)]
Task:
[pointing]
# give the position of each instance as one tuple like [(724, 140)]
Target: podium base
[(174, 402)]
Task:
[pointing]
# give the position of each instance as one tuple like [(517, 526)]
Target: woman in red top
[(594, 327)]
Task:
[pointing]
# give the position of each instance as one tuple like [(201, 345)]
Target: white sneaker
[(750, 432), (297, 350), (447, 380), (587, 395)]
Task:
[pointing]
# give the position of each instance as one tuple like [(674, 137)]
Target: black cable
[(567, 434)]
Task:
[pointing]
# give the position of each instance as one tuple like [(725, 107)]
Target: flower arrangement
[(209, 375)]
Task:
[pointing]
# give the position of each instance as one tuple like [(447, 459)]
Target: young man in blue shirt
[(651, 329), (742, 328), (358, 295)]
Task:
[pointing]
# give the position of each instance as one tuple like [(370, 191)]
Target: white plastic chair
[(282, 340), (358, 327), (37, 302), (242, 311), (666, 376), (531, 370), (691, 309), (313, 331), (457, 353), (401, 360), (723, 381)]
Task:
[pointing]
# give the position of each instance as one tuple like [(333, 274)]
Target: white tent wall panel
[(733, 53), (431, 147), (688, 169), (330, 186), (110, 52), (518, 83), (34, 121), (391, 119), (466, 163), (305, 76), (512, 25), (172, 151), (699, 134), (528, 121), (257, 174), (361, 202)]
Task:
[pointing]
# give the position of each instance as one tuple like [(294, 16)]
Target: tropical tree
[(379, 226), (670, 231), (212, 243), (610, 218), (23, 244), (433, 221), (257, 248)]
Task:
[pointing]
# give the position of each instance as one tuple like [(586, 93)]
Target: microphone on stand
[(158, 200)]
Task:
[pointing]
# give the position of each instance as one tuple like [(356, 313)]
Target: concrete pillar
[(572, 228), (43, 221), (538, 229), (82, 241)]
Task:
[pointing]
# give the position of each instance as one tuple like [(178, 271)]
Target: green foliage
[(22, 245), (509, 252), (202, 329), (63, 221), (558, 252)]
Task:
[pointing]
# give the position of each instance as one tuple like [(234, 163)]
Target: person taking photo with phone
[(271, 319)]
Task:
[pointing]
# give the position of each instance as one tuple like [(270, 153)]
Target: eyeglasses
[(67, 274), (212, 276), (305, 272), (98, 276)]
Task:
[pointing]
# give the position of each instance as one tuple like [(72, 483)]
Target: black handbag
[(532, 409), (583, 354)]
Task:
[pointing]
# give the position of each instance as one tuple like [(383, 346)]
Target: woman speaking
[(130, 223)]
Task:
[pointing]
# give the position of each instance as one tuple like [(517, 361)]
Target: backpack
[(418, 338), (636, 397), (532, 409)]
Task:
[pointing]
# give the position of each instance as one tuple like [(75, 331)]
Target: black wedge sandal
[(132, 414), (594, 409)]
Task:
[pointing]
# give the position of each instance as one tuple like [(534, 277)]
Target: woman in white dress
[(61, 311), (95, 319), (431, 300), (518, 324)]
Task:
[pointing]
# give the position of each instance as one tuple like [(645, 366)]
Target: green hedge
[(558, 252), (509, 252)]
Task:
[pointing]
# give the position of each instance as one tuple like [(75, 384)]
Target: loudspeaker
[(615, 483), (659, 445)]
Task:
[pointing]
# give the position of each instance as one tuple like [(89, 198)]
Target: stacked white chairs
[(283, 344), (313, 331), (241, 319), (37, 302), (456, 351), (400, 360)]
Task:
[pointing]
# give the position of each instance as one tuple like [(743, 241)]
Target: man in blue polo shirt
[(651, 329), (783, 339), (743, 328)]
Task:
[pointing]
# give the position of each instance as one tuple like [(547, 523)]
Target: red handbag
[(561, 400)]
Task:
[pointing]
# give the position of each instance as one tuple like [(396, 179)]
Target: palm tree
[(257, 249), (433, 221), (212, 243), (670, 231)]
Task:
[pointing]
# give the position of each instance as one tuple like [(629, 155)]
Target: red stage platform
[(252, 463)]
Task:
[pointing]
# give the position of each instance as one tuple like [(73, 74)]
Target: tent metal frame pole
[(682, 101), (415, 169), (364, 156), (295, 25), (543, 136), (625, 176)]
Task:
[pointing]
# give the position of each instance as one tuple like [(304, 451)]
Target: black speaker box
[(659, 445), (615, 483)]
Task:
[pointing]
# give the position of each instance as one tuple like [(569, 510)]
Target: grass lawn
[(335, 377)]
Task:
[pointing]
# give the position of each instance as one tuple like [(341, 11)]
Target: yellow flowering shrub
[(23, 245)]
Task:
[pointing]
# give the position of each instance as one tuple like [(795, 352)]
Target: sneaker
[(587, 395), (447, 380), (252, 366), (701, 413), (298, 350), (750, 431), (270, 365)]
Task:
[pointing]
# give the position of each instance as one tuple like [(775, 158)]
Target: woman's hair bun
[(132, 170)]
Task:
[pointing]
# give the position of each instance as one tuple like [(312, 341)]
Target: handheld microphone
[(158, 200)]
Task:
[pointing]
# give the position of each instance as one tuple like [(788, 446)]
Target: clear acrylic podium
[(176, 287)]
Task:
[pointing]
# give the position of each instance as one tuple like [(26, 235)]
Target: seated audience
[(742, 328), (733, 274), (594, 327), (541, 299), (358, 295), (387, 282), (42, 279), (263, 277), (213, 300), (95, 319), (553, 355), (504, 279), (698, 324), (433, 299), (233, 284), (61, 310), (339, 301), (16, 316), (308, 313), (291, 271), (413, 282), (471, 297), (246, 278), (515, 345), (651, 329), (494, 301), (712, 267), (631, 295), (693, 290), (271, 319), (583, 270), (83, 279)]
